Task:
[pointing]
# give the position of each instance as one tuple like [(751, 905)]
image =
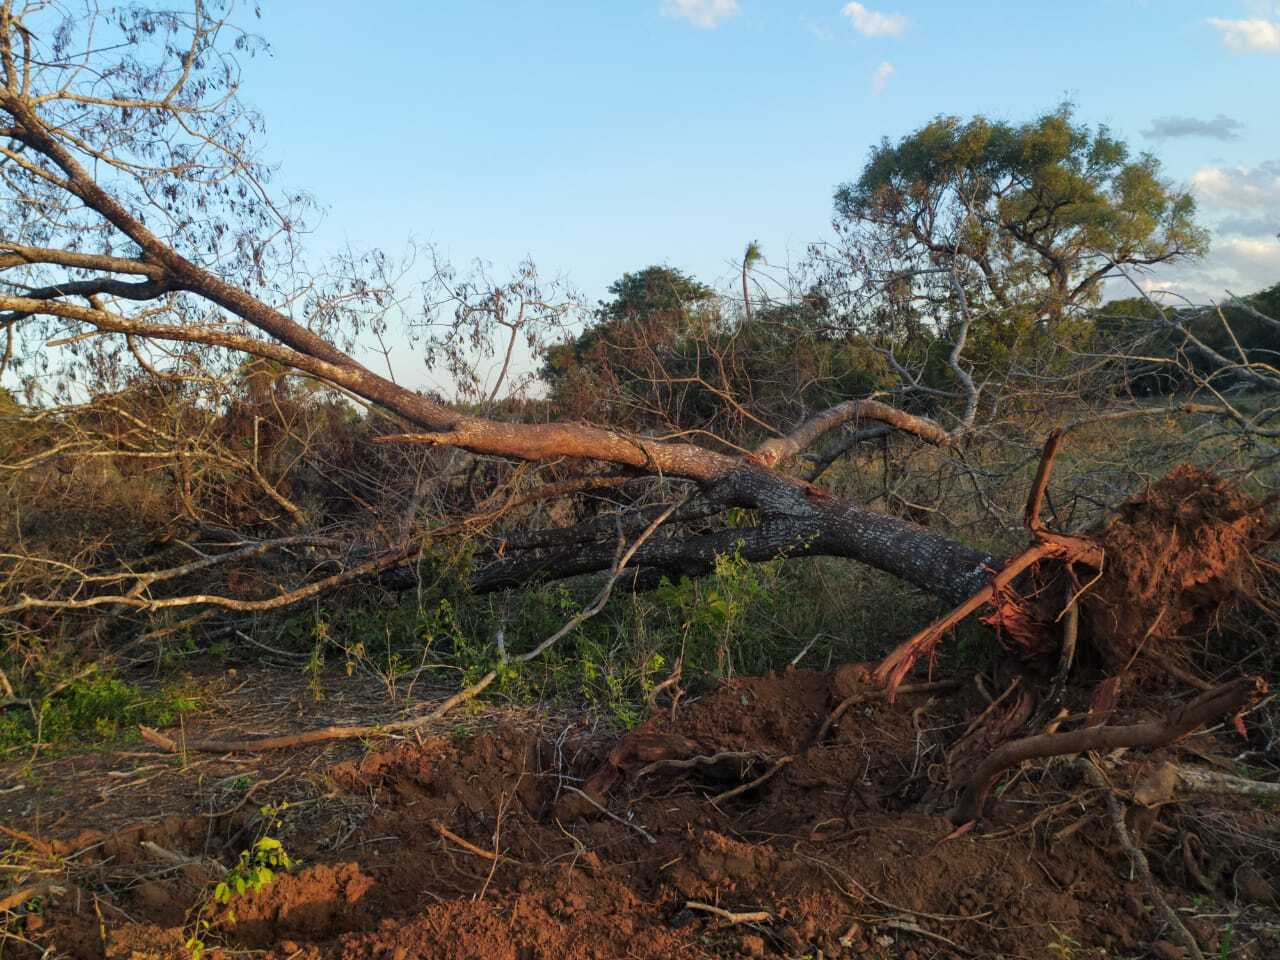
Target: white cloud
[(1251, 190), (1250, 226), (1257, 35), (871, 23), (1220, 127), (701, 13), (1242, 265), (1244, 253), (880, 78)]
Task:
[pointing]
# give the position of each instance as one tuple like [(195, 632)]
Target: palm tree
[(750, 258)]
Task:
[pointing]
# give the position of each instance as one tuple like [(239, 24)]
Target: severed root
[(699, 760), (728, 916), (1045, 544), (470, 847), (863, 696), (897, 664), (1230, 698)]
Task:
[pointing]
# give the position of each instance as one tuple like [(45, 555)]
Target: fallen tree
[(160, 166), (140, 236)]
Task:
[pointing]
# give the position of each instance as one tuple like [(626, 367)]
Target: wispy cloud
[(880, 79), (1262, 36), (1220, 127), (701, 13), (817, 28), (871, 23)]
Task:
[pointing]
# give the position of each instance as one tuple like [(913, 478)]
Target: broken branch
[(1229, 698)]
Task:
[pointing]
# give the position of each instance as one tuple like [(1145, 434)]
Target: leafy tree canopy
[(653, 306), (1031, 217)]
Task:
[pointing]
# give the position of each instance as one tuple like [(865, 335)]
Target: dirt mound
[(1174, 555), (468, 847)]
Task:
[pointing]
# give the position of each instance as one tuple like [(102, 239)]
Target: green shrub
[(93, 709)]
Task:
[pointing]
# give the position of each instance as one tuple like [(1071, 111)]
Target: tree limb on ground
[(1227, 699)]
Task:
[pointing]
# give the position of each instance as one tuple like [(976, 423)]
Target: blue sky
[(600, 137)]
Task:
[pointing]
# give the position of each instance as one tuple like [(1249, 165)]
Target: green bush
[(93, 709)]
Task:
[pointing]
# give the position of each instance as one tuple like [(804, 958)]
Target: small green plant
[(1062, 946), (255, 870)]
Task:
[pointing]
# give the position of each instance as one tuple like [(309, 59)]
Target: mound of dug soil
[(485, 847)]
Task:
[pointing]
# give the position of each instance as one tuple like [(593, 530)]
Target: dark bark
[(795, 520)]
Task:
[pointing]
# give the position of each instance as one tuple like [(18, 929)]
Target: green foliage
[(740, 618), (1029, 216), (254, 870), (651, 315), (92, 709), (1051, 183), (1235, 329)]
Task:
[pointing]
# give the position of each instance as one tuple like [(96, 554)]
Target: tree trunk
[(796, 520)]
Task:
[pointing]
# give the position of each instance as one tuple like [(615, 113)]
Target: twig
[(868, 895), (470, 847), (613, 816), (1139, 859), (728, 916), (701, 760), (910, 926), (324, 734), (877, 693), (672, 679), (744, 787)]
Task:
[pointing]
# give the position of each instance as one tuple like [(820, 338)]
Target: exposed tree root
[(899, 662), (470, 847), (1009, 614), (1227, 699), (728, 916)]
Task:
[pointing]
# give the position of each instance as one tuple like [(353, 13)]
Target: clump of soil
[(466, 847), (1175, 554)]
